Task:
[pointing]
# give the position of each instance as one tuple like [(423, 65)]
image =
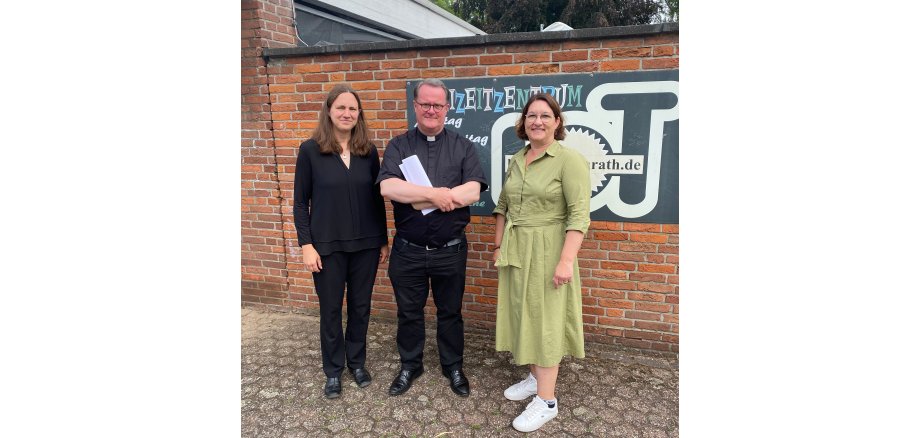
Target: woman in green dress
[(541, 218)]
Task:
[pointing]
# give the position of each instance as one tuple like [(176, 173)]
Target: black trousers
[(355, 271), (411, 270)]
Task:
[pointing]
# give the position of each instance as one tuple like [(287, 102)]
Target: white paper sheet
[(412, 169)]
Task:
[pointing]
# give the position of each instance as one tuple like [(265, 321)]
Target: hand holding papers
[(412, 169)]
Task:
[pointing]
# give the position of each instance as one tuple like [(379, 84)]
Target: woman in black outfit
[(341, 229)]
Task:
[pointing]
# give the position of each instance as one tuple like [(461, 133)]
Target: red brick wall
[(629, 271), (264, 272)]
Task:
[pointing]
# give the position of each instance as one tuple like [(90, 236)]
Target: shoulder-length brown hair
[(324, 134), (557, 112)]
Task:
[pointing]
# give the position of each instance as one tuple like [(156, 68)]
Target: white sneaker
[(535, 416), (523, 389)]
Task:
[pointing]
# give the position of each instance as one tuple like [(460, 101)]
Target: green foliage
[(471, 11), (444, 4), (503, 16), (601, 13), (671, 6)]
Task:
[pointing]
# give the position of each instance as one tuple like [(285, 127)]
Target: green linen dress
[(535, 321)]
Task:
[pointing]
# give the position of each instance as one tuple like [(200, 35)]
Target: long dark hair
[(559, 134), (324, 135)]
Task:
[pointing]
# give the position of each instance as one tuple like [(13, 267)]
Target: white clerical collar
[(430, 138)]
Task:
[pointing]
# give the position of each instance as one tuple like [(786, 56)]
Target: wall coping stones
[(498, 38)]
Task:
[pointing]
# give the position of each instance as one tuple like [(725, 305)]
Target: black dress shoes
[(458, 382), (333, 387), (362, 377), (403, 380)]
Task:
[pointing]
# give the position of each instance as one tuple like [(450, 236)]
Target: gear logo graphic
[(594, 148)]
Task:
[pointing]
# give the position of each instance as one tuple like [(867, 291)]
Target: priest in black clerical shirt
[(430, 248)]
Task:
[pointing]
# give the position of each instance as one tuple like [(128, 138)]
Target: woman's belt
[(508, 255)]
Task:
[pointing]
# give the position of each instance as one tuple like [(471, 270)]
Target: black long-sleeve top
[(337, 208)]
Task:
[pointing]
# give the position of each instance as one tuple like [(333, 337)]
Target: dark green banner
[(625, 125)]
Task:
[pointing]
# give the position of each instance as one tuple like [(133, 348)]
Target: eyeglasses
[(437, 107), (545, 118)]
